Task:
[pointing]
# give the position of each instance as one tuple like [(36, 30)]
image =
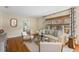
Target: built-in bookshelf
[(57, 22), (60, 20)]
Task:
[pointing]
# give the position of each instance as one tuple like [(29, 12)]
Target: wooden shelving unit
[(59, 23)]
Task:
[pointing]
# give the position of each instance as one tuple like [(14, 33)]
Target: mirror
[(13, 22)]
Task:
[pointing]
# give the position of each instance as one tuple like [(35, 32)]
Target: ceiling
[(33, 10)]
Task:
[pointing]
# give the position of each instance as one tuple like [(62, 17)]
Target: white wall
[(41, 23), (13, 32), (77, 24), (0, 20)]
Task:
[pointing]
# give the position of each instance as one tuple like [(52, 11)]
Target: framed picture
[(13, 22)]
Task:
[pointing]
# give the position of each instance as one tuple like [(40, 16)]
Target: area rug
[(32, 46)]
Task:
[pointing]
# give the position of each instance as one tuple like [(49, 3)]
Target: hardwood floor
[(16, 45)]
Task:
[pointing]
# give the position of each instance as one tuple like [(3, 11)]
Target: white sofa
[(50, 46)]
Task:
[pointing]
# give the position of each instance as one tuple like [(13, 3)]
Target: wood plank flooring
[(16, 45)]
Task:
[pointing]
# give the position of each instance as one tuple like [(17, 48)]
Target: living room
[(34, 24)]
